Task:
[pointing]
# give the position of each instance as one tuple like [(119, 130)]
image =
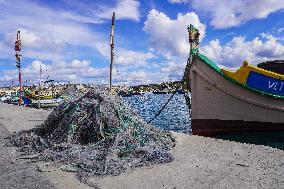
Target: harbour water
[(176, 117)]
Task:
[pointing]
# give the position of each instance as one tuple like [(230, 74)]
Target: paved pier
[(16, 173)]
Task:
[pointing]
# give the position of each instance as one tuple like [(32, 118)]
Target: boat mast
[(111, 53), (18, 47)]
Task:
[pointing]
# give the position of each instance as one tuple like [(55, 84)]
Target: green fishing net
[(96, 134)]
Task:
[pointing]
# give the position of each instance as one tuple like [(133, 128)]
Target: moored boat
[(250, 99), (164, 91), (35, 95), (276, 66), (136, 93), (180, 91), (46, 103), (128, 94), (160, 92)]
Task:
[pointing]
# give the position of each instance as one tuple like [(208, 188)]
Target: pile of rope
[(96, 134)]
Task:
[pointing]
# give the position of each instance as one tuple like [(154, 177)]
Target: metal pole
[(18, 47), (111, 53), (20, 80)]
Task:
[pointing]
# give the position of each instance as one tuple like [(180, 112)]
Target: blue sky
[(70, 38)]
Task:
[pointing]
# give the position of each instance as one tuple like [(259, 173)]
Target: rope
[(160, 111), (183, 81)]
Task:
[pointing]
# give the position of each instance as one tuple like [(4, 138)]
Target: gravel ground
[(17, 173), (200, 162)]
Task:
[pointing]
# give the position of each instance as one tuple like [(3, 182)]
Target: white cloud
[(140, 77), (233, 53), (77, 64), (5, 52), (130, 77), (82, 69), (75, 71), (45, 33), (280, 30), (178, 1), (173, 70), (230, 13), (170, 37), (124, 9), (57, 36), (148, 74), (128, 57), (96, 12)]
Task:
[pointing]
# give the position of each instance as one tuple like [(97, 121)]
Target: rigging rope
[(185, 80), (160, 111)]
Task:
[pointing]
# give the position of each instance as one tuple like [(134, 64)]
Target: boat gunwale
[(212, 65)]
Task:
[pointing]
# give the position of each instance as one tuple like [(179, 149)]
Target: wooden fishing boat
[(46, 103), (35, 95), (276, 66), (250, 99)]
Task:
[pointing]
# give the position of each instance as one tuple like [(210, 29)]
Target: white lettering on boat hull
[(274, 85)]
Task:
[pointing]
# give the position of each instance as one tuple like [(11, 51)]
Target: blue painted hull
[(265, 83)]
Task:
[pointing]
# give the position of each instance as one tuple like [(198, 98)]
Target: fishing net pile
[(96, 134), (71, 93)]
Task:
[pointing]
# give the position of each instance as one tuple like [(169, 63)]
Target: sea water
[(175, 116)]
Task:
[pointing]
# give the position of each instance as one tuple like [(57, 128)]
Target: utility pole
[(18, 47), (111, 53)]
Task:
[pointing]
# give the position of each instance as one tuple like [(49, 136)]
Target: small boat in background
[(250, 99), (128, 93), (164, 91), (276, 66), (180, 91), (46, 103), (159, 92), (136, 93), (124, 94), (35, 95)]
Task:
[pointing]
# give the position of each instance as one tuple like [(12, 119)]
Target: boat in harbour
[(276, 66), (46, 103), (222, 101), (164, 91)]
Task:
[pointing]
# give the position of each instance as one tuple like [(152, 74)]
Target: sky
[(70, 38)]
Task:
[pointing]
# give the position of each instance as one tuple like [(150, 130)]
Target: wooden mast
[(111, 53)]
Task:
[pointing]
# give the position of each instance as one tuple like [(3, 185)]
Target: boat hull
[(220, 106), (213, 127), (46, 103)]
